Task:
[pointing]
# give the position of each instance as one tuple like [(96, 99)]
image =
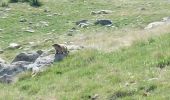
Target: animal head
[(56, 46)]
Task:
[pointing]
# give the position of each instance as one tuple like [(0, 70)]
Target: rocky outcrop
[(30, 57), (27, 61)]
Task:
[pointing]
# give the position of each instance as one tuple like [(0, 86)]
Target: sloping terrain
[(119, 62)]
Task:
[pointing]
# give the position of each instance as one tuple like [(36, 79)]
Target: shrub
[(13, 1), (4, 4), (35, 3)]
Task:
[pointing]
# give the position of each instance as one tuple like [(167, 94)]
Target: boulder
[(154, 24), (165, 20), (29, 57), (14, 68), (45, 60), (103, 22)]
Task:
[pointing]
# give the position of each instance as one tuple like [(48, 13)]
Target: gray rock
[(101, 12), (30, 57), (31, 43), (59, 57), (103, 22), (81, 22), (6, 79), (45, 60), (14, 46), (14, 68)]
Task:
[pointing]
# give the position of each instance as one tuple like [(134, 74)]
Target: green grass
[(126, 15), (123, 74)]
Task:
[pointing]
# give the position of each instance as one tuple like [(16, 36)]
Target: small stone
[(142, 9), (23, 20), (1, 51), (103, 22), (49, 15), (46, 10), (81, 22), (31, 43), (44, 23), (83, 25), (30, 31), (101, 12), (1, 30), (14, 46)]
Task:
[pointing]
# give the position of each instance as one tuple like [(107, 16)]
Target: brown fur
[(60, 49)]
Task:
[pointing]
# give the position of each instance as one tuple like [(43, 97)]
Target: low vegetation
[(122, 62), (35, 3), (129, 73)]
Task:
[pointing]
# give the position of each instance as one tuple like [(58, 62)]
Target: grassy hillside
[(127, 74), (135, 68)]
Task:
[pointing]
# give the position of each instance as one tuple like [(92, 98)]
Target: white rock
[(154, 24), (14, 46), (101, 12), (31, 43), (30, 30), (165, 20)]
